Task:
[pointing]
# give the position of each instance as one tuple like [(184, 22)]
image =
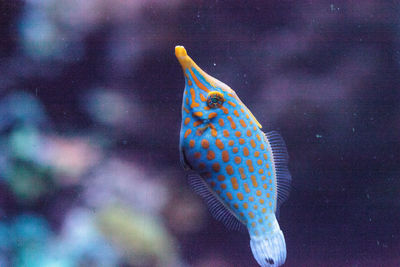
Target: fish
[(240, 171)]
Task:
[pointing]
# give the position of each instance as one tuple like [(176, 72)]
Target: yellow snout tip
[(180, 51), (183, 58)]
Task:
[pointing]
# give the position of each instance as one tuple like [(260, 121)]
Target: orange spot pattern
[(225, 156), (188, 80), (252, 143), (246, 152), (210, 155), (229, 169), (191, 143), (216, 167), (197, 114), (198, 83), (212, 115), (246, 188), (250, 165), (221, 177), (202, 98), (224, 109), (235, 184), (237, 160), (231, 103), (205, 144), (188, 131), (225, 133), (197, 123), (187, 120), (242, 174), (254, 180), (233, 125), (193, 95), (214, 132), (219, 144)]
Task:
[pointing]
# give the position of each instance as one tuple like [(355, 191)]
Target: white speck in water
[(353, 129), (318, 136), (215, 64), (333, 8)]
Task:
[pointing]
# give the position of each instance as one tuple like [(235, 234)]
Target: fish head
[(205, 97)]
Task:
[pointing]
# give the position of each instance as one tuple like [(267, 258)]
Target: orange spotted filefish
[(241, 172)]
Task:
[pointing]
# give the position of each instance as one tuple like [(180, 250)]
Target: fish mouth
[(183, 58)]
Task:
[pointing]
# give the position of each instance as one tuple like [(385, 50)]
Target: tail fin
[(269, 250)]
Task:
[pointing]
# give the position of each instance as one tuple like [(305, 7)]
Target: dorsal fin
[(215, 205), (281, 159)]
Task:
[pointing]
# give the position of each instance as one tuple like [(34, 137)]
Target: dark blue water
[(90, 102)]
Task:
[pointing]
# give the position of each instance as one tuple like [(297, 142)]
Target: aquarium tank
[(93, 170)]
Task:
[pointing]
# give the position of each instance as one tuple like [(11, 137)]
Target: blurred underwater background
[(90, 102)]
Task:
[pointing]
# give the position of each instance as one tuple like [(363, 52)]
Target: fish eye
[(215, 99)]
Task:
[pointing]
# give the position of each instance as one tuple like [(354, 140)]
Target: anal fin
[(215, 205)]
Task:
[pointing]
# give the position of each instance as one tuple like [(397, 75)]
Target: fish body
[(241, 172)]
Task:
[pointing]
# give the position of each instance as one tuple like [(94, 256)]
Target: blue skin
[(263, 220)]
